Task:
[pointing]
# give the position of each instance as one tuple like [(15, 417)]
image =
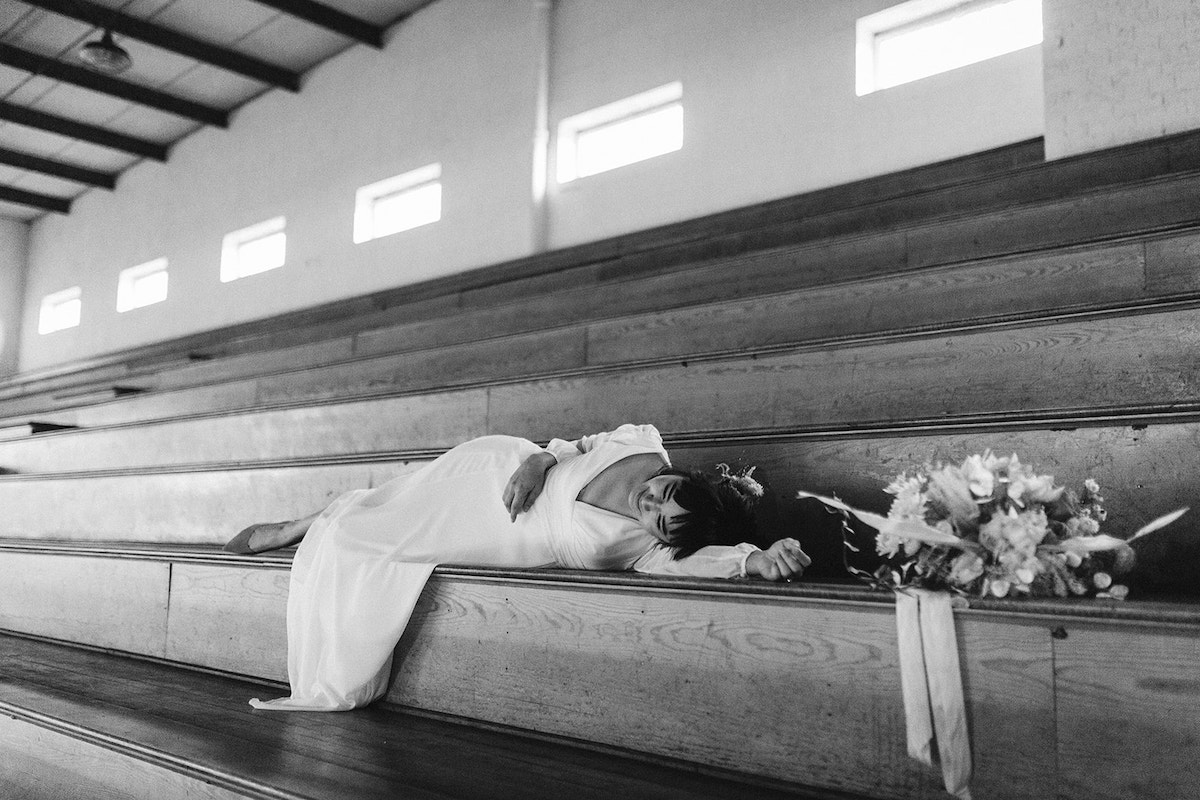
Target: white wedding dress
[(362, 565)]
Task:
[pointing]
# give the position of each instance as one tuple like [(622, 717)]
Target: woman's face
[(654, 507)]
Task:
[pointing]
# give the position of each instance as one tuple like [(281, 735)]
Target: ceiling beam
[(331, 18), (59, 169), (43, 201), (82, 131), (167, 39), (52, 68)]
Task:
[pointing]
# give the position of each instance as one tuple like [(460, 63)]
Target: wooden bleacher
[(834, 339)]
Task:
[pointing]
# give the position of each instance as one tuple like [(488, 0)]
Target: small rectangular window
[(399, 203), (920, 38), (60, 310), (255, 249), (634, 129), (143, 285)]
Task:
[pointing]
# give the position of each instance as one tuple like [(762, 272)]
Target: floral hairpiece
[(741, 480)]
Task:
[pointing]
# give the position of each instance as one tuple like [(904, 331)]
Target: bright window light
[(634, 129), (399, 203), (253, 250), (143, 285), (60, 310), (920, 38)]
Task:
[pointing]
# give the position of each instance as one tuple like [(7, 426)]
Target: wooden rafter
[(47, 202), (59, 169), (167, 39), (331, 18), (51, 68), (82, 131)]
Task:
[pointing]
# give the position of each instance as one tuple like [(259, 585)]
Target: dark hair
[(716, 512)]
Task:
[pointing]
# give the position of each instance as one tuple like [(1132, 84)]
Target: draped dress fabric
[(362, 565)]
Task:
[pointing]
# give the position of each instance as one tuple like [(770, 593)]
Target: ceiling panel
[(245, 27), (47, 184), (77, 103), (152, 124), (293, 43), (237, 19), (95, 157), (214, 86)]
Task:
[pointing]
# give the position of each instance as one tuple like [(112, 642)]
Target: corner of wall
[(14, 265)]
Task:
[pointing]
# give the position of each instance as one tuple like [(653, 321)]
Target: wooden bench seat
[(110, 725), (795, 685)]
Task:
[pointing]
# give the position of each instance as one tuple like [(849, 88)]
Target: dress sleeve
[(714, 561), (645, 435)]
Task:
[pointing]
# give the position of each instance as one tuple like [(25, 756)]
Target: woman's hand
[(526, 483), (781, 561)]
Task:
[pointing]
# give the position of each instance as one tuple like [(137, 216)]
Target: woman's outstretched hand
[(526, 483), (782, 561)]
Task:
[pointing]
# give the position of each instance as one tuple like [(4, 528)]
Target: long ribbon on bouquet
[(931, 682)]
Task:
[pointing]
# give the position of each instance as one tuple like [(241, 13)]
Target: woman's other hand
[(782, 561), (526, 483)]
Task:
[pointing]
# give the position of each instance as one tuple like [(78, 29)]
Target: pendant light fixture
[(105, 55)]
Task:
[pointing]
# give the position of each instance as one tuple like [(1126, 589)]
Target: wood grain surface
[(95, 601), (40, 764), (1128, 713)]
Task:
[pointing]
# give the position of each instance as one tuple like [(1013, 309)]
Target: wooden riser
[(1090, 365), (198, 508), (209, 506), (777, 684)]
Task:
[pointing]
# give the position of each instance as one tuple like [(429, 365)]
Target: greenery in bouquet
[(992, 526)]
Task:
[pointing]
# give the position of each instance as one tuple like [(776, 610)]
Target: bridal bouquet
[(993, 526)]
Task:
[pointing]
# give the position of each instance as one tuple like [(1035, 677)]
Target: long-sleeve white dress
[(362, 565)]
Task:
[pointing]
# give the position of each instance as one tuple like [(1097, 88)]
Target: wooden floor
[(200, 724)]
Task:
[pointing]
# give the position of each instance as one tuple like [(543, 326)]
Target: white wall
[(14, 246), (770, 110), (1119, 71), (769, 106)]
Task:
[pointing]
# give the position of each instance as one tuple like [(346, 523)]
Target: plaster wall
[(770, 110), (1119, 71), (14, 244), (769, 106)]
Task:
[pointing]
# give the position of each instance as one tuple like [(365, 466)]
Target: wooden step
[(1077, 366), (209, 504), (1150, 199), (118, 726), (789, 683)]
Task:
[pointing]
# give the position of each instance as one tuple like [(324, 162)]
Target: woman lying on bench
[(608, 502)]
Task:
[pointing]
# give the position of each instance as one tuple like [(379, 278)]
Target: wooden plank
[(229, 618), (816, 693), (193, 508), (1079, 365), (1173, 264), (1128, 708), (201, 723), (465, 364), (1008, 681), (437, 422), (96, 601), (1138, 208), (43, 764), (227, 368), (1020, 285), (1143, 472)]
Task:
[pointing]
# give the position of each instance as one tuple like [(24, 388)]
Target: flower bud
[(1102, 580)]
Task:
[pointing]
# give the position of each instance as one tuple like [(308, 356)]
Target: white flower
[(980, 479), (1091, 486), (965, 568), (887, 545), (1102, 580), (1000, 588)]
